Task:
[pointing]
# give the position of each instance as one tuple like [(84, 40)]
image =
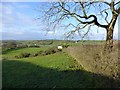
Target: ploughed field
[(45, 66)]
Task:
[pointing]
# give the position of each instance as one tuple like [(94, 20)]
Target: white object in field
[(60, 47)]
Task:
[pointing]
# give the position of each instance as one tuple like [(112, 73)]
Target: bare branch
[(117, 3), (87, 31), (106, 17), (76, 29), (60, 12), (81, 3), (83, 22), (118, 11)]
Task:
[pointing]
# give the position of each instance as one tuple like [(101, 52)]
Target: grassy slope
[(44, 71), (56, 70), (12, 53)]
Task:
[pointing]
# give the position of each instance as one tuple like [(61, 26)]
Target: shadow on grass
[(19, 74)]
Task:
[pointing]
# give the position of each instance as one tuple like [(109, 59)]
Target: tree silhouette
[(83, 14)]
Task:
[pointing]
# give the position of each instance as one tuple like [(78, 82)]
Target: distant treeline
[(16, 44)]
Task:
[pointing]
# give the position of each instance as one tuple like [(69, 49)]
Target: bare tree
[(102, 14)]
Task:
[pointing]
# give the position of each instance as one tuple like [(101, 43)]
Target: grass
[(48, 72), (59, 61), (12, 53), (57, 70)]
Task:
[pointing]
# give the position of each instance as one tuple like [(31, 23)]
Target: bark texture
[(109, 36)]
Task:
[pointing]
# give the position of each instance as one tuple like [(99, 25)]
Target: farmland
[(44, 68)]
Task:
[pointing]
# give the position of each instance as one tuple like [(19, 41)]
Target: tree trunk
[(109, 36), (109, 40)]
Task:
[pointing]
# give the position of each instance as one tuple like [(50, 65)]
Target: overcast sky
[(19, 22)]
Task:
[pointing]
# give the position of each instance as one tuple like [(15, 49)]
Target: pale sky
[(18, 22)]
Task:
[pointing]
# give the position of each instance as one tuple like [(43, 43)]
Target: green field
[(12, 53), (58, 70)]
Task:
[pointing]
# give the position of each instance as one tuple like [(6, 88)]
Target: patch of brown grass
[(92, 58)]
